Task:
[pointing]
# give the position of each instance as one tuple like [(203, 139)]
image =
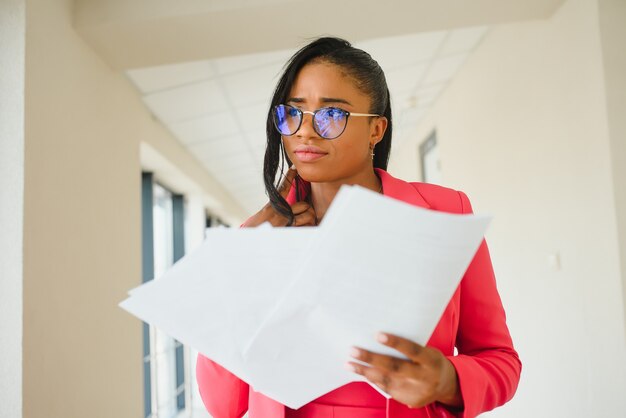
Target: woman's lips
[(308, 153)]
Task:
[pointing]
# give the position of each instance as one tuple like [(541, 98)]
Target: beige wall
[(84, 125), (613, 35), (82, 227), (523, 130), (12, 26)]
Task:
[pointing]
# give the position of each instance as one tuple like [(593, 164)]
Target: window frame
[(181, 392)]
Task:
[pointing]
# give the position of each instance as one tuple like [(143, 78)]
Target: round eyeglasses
[(328, 122)]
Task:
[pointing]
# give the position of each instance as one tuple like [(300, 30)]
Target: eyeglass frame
[(313, 113)]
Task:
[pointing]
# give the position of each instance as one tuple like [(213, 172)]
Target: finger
[(285, 185), (300, 207), (385, 362), (306, 218), (379, 377), (409, 348), (396, 386)]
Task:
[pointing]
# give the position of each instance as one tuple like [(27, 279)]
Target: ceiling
[(146, 33), (217, 107)]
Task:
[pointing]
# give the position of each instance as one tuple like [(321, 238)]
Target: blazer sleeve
[(224, 394), (487, 365)]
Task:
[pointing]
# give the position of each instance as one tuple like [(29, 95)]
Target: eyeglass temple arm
[(362, 114)]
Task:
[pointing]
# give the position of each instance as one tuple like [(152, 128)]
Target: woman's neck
[(322, 194)]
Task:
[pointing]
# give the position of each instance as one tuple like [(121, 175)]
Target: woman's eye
[(335, 113), (293, 112)]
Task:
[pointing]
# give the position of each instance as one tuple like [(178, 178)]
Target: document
[(281, 307), (213, 298)]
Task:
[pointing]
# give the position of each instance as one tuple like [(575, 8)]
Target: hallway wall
[(84, 126), (523, 130)]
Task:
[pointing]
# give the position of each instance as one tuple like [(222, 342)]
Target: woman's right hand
[(304, 214)]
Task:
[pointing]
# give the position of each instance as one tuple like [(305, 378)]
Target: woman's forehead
[(318, 81)]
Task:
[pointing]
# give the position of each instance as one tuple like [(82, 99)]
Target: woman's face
[(347, 157)]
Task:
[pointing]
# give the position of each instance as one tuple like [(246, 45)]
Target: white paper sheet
[(214, 298), (377, 265), (281, 307)]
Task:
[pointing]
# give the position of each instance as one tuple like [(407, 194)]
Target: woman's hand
[(428, 376), (304, 213)]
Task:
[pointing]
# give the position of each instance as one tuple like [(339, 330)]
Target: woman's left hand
[(426, 377)]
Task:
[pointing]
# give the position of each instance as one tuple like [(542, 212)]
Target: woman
[(331, 117)]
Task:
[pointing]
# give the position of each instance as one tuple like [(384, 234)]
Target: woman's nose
[(306, 129)]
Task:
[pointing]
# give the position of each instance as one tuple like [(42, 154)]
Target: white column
[(12, 26)]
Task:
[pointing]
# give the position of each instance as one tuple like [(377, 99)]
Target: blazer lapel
[(400, 189)]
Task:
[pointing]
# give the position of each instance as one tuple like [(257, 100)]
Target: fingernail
[(349, 367), (355, 352), (382, 337)]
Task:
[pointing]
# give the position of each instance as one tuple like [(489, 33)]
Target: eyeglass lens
[(328, 122)]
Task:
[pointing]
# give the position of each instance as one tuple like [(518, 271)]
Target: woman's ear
[(377, 129)]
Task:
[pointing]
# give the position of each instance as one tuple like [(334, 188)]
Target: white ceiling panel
[(241, 177), (444, 68), (256, 199), (253, 86), (153, 79), (206, 128), (405, 79), (253, 194), (230, 162), (186, 102), (463, 40), (244, 182), (257, 141), (235, 170), (242, 63), (227, 146), (253, 118), (399, 51), (254, 186), (250, 184)]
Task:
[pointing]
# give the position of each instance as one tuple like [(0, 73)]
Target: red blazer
[(474, 322)]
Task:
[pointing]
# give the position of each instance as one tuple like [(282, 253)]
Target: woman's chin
[(313, 174)]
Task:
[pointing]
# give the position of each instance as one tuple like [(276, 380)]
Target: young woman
[(330, 117)]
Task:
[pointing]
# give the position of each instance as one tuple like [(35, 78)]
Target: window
[(429, 157), (213, 221), (166, 378)]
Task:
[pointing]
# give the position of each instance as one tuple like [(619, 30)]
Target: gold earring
[(372, 151)]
